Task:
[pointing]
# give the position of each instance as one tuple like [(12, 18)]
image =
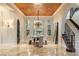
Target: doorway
[(18, 31)]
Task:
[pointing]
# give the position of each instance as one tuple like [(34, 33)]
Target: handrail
[(74, 23)]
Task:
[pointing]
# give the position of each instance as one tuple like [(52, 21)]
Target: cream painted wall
[(8, 35)]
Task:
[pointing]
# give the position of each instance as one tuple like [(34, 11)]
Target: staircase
[(69, 37), (70, 42), (71, 33)]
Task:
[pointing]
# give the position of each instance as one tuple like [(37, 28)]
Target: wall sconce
[(8, 23)]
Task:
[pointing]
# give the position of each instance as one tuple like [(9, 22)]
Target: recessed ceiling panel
[(43, 9)]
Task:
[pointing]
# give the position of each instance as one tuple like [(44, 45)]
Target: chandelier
[(37, 22)]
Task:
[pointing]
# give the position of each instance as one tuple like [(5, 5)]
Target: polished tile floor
[(30, 50)]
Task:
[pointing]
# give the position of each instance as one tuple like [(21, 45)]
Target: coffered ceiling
[(44, 9)]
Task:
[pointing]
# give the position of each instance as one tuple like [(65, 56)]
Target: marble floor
[(30, 50)]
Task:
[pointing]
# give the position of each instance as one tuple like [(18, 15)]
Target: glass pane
[(27, 27), (49, 29)]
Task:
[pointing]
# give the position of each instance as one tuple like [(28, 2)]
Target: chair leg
[(45, 42), (30, 42)]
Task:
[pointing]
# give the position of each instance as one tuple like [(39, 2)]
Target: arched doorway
[(18, 31)]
